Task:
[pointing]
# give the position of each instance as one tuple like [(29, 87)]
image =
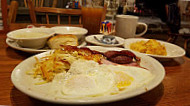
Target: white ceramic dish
[(29, 38), (25, 83), (172, 50), (90, 39), (13, 44), (78, 31)]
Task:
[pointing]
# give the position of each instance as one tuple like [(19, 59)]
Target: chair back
[(51, 10), (39, 3), (12, 12)]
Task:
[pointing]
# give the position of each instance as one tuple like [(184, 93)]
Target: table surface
[(174, 89)]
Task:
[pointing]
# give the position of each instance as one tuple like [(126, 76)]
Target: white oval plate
[(172, 50), (91, 39), (13, 44), (25, 83)]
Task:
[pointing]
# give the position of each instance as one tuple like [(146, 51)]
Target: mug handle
[(142, 33)]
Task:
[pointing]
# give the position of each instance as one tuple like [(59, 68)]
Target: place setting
[(74, 68), (94, 52), (69, 73)]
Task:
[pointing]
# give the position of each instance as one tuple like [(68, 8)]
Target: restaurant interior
[(157, 28), (166, 21)]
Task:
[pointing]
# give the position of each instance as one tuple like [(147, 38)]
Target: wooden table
[(173, 91)]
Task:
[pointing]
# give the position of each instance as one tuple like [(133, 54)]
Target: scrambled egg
[(149, 47)]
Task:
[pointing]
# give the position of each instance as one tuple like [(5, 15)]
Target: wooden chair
[(58, 11), (39, 3), (104, 12), (12, 8)]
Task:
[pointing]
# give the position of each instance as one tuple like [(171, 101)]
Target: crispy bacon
[(84, 53)]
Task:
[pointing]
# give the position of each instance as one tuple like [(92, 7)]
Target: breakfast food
[(58, 41), (74, 72), (121, 57), (30, 35), (149, 47), (60, 60), (87, 78)]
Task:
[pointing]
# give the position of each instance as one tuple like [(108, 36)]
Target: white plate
[(13, 44), (25, 83), (172, 50), (91, 39)]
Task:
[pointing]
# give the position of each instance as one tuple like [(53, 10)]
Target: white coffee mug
[(126, 26)]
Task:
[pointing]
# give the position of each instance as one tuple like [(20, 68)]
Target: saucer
[(92, 40)]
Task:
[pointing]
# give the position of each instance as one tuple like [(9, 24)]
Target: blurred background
[(162, 16)]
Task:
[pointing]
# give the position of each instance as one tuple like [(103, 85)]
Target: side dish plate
[(172, 50)]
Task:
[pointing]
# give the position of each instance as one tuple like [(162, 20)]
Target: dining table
[(174, 90)]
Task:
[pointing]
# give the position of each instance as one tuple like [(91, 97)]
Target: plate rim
[(30, 50), (53, 28), (51, 33), (156, 56), (19, 87)]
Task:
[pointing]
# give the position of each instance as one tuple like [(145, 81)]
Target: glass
[(92, 13)]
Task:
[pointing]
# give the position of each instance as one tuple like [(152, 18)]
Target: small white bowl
[(31, 37), (78, 31)]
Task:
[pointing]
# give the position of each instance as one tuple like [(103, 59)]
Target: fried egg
[(128, 78), (89, 79)]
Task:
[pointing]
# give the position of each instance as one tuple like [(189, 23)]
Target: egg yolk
[(123, 80)]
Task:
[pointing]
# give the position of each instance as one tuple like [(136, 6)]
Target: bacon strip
[(135, 64)]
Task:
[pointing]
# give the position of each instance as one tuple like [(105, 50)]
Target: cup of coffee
[(126, 26)]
